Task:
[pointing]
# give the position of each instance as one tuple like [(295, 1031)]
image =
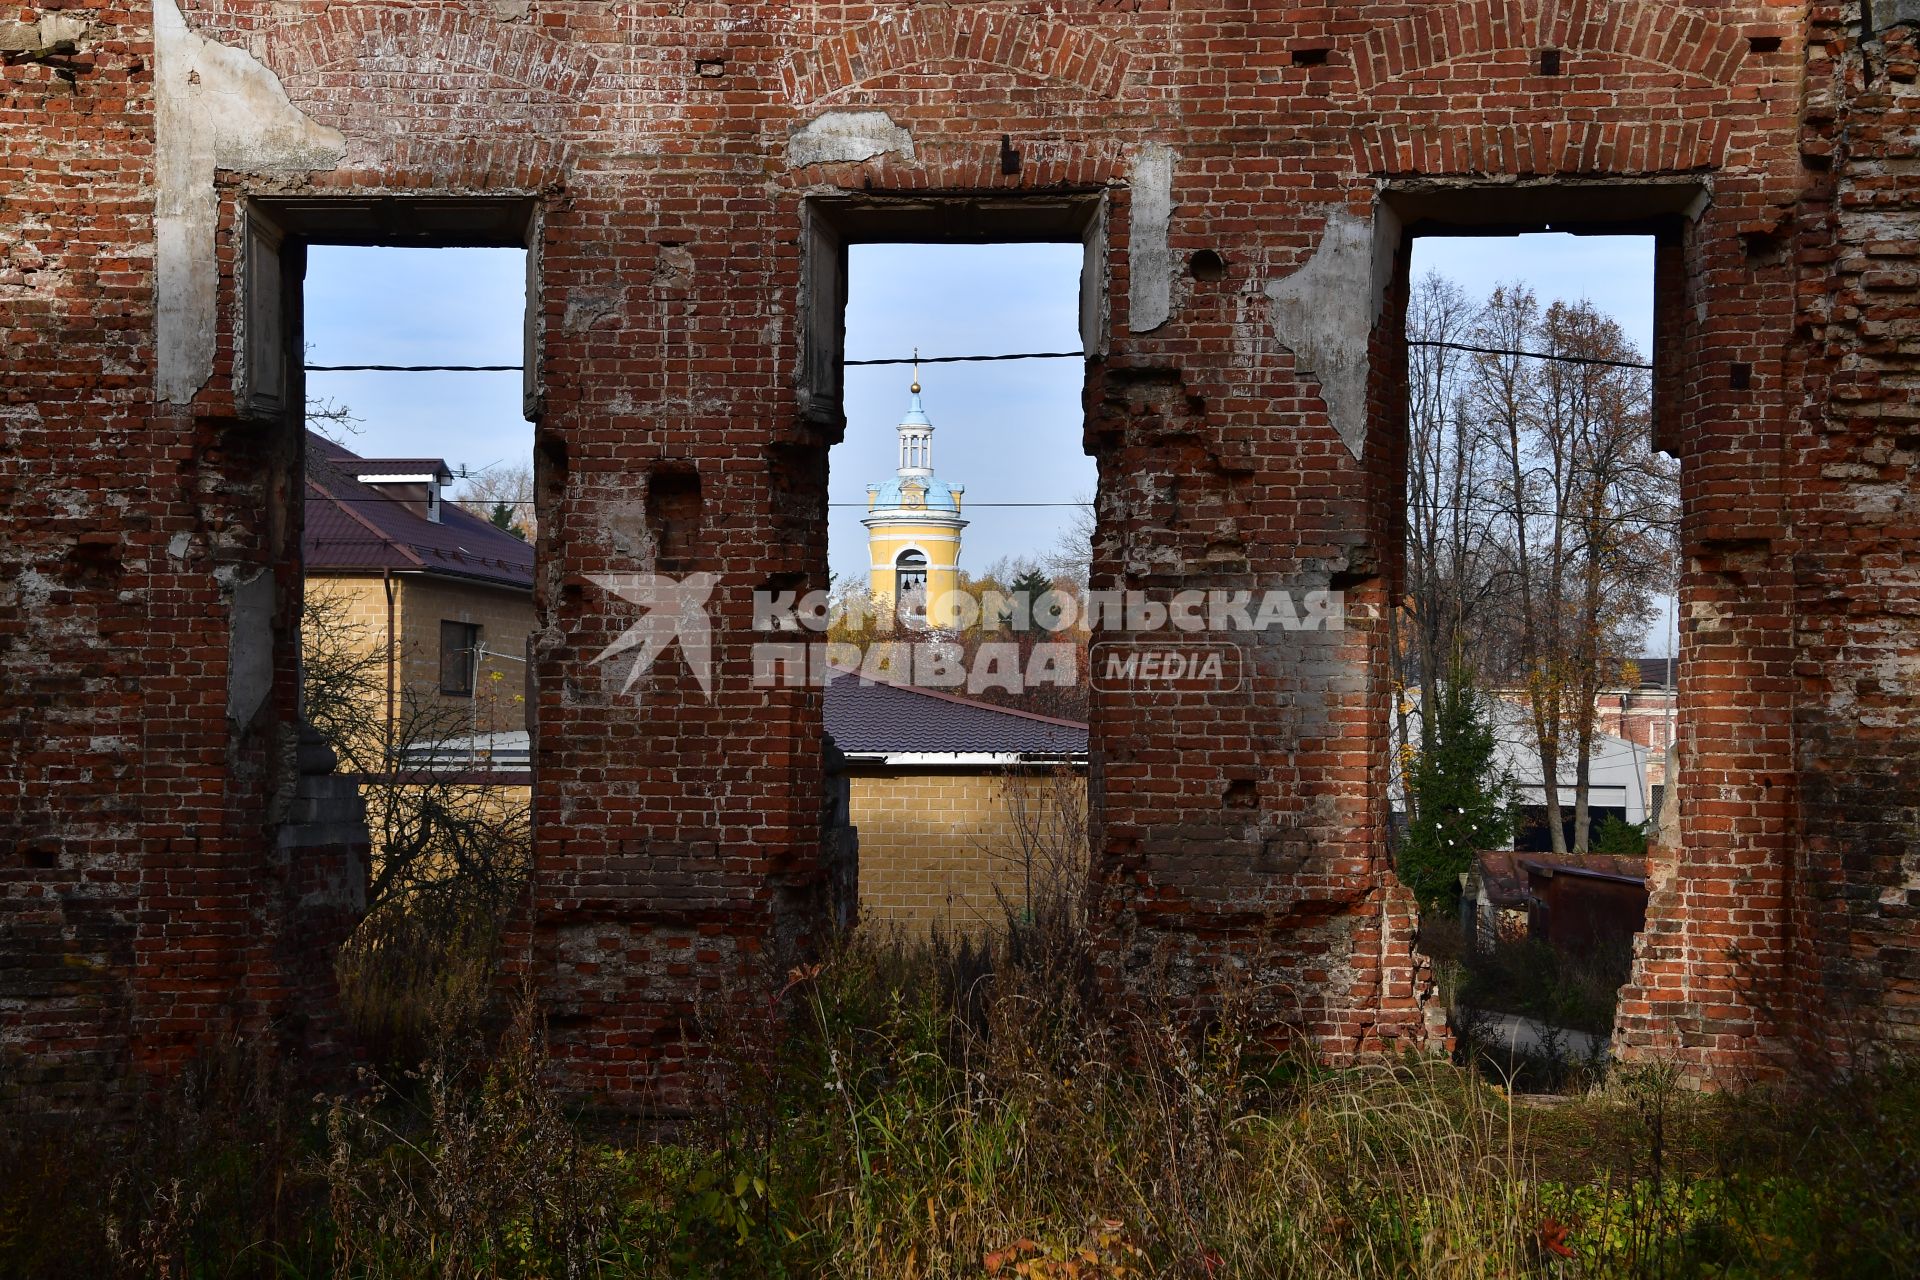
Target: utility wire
[(1014, 355), (1529, 355), (1625, 517), (415, 368), (1017, 355)]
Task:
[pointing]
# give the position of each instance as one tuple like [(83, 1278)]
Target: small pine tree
[(1615, 835), (1035, 584), (502, 518), (1460, 805)]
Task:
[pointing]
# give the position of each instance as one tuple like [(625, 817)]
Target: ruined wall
[(1782, 932), (169, 871), (1243, 414), (1853, 478)]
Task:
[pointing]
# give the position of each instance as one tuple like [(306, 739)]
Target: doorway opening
[(398, 341), (1534, 646), (960, 516)]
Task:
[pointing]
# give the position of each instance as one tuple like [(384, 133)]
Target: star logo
[(676, 610)]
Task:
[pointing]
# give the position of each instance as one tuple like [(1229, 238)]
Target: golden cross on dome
[(916, 372)]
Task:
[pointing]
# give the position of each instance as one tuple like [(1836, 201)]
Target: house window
[(459, 653)]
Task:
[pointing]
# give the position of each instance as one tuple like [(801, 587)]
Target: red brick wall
[(1852, 478), (151, 890), (677, 858)]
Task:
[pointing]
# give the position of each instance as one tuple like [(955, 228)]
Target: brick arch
[(999, 39), (349, 35), (515, 164), (1649, 33), (1563, 147)]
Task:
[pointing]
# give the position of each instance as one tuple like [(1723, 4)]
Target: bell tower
[(913, 525)]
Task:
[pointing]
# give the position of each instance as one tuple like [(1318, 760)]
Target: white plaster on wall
[(1325, 312), (215, 108), (1149, 259), (848, 137)]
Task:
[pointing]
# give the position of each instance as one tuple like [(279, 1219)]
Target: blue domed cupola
[(913, 486)]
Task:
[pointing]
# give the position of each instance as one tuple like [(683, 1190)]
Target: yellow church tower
[(913, 527)]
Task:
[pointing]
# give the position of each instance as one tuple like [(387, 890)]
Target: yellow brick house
[(442, 597), (964, 809)]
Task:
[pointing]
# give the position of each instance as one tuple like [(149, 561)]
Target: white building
[(1617, 776)]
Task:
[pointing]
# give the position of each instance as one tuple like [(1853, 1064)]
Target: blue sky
[(1009, 432), (1615, 273), (421, 306)]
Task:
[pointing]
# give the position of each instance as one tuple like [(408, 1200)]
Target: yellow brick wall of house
[(355, 608), (944, 848), (505, 806), (505, 618)]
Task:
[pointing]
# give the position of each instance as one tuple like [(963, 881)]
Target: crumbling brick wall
[(1782, 934), (1257, 166), (161, 877), (1852, 475)]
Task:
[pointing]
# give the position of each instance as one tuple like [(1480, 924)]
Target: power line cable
[(415, 368), (983, 359), (1529, 355), (1541, 512), (1015, 355)]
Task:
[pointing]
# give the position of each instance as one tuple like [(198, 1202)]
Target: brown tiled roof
[(354, 528), (1656, 673), (868, 717), (1505, 879), (1607, 866)]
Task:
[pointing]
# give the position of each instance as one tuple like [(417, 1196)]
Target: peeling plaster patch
[(587, 308), (34, 592), (1876, 499), (51, 29), (1706, 616), (848, 137), (1149, 260), (1325, 312), (215, 108), (249, 644), (509, 10)]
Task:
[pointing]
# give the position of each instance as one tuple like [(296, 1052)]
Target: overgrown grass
[(962, 1109)]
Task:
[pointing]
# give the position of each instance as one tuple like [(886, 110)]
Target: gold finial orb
[(916, 371)]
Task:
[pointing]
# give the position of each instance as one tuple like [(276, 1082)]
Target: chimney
[(414, 483)]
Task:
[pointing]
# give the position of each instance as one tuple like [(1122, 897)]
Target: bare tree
[(1454, 575), (504, 495), (1580, 501), (330, 418), (445, 836), (1070, 560), (1620, 493)]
